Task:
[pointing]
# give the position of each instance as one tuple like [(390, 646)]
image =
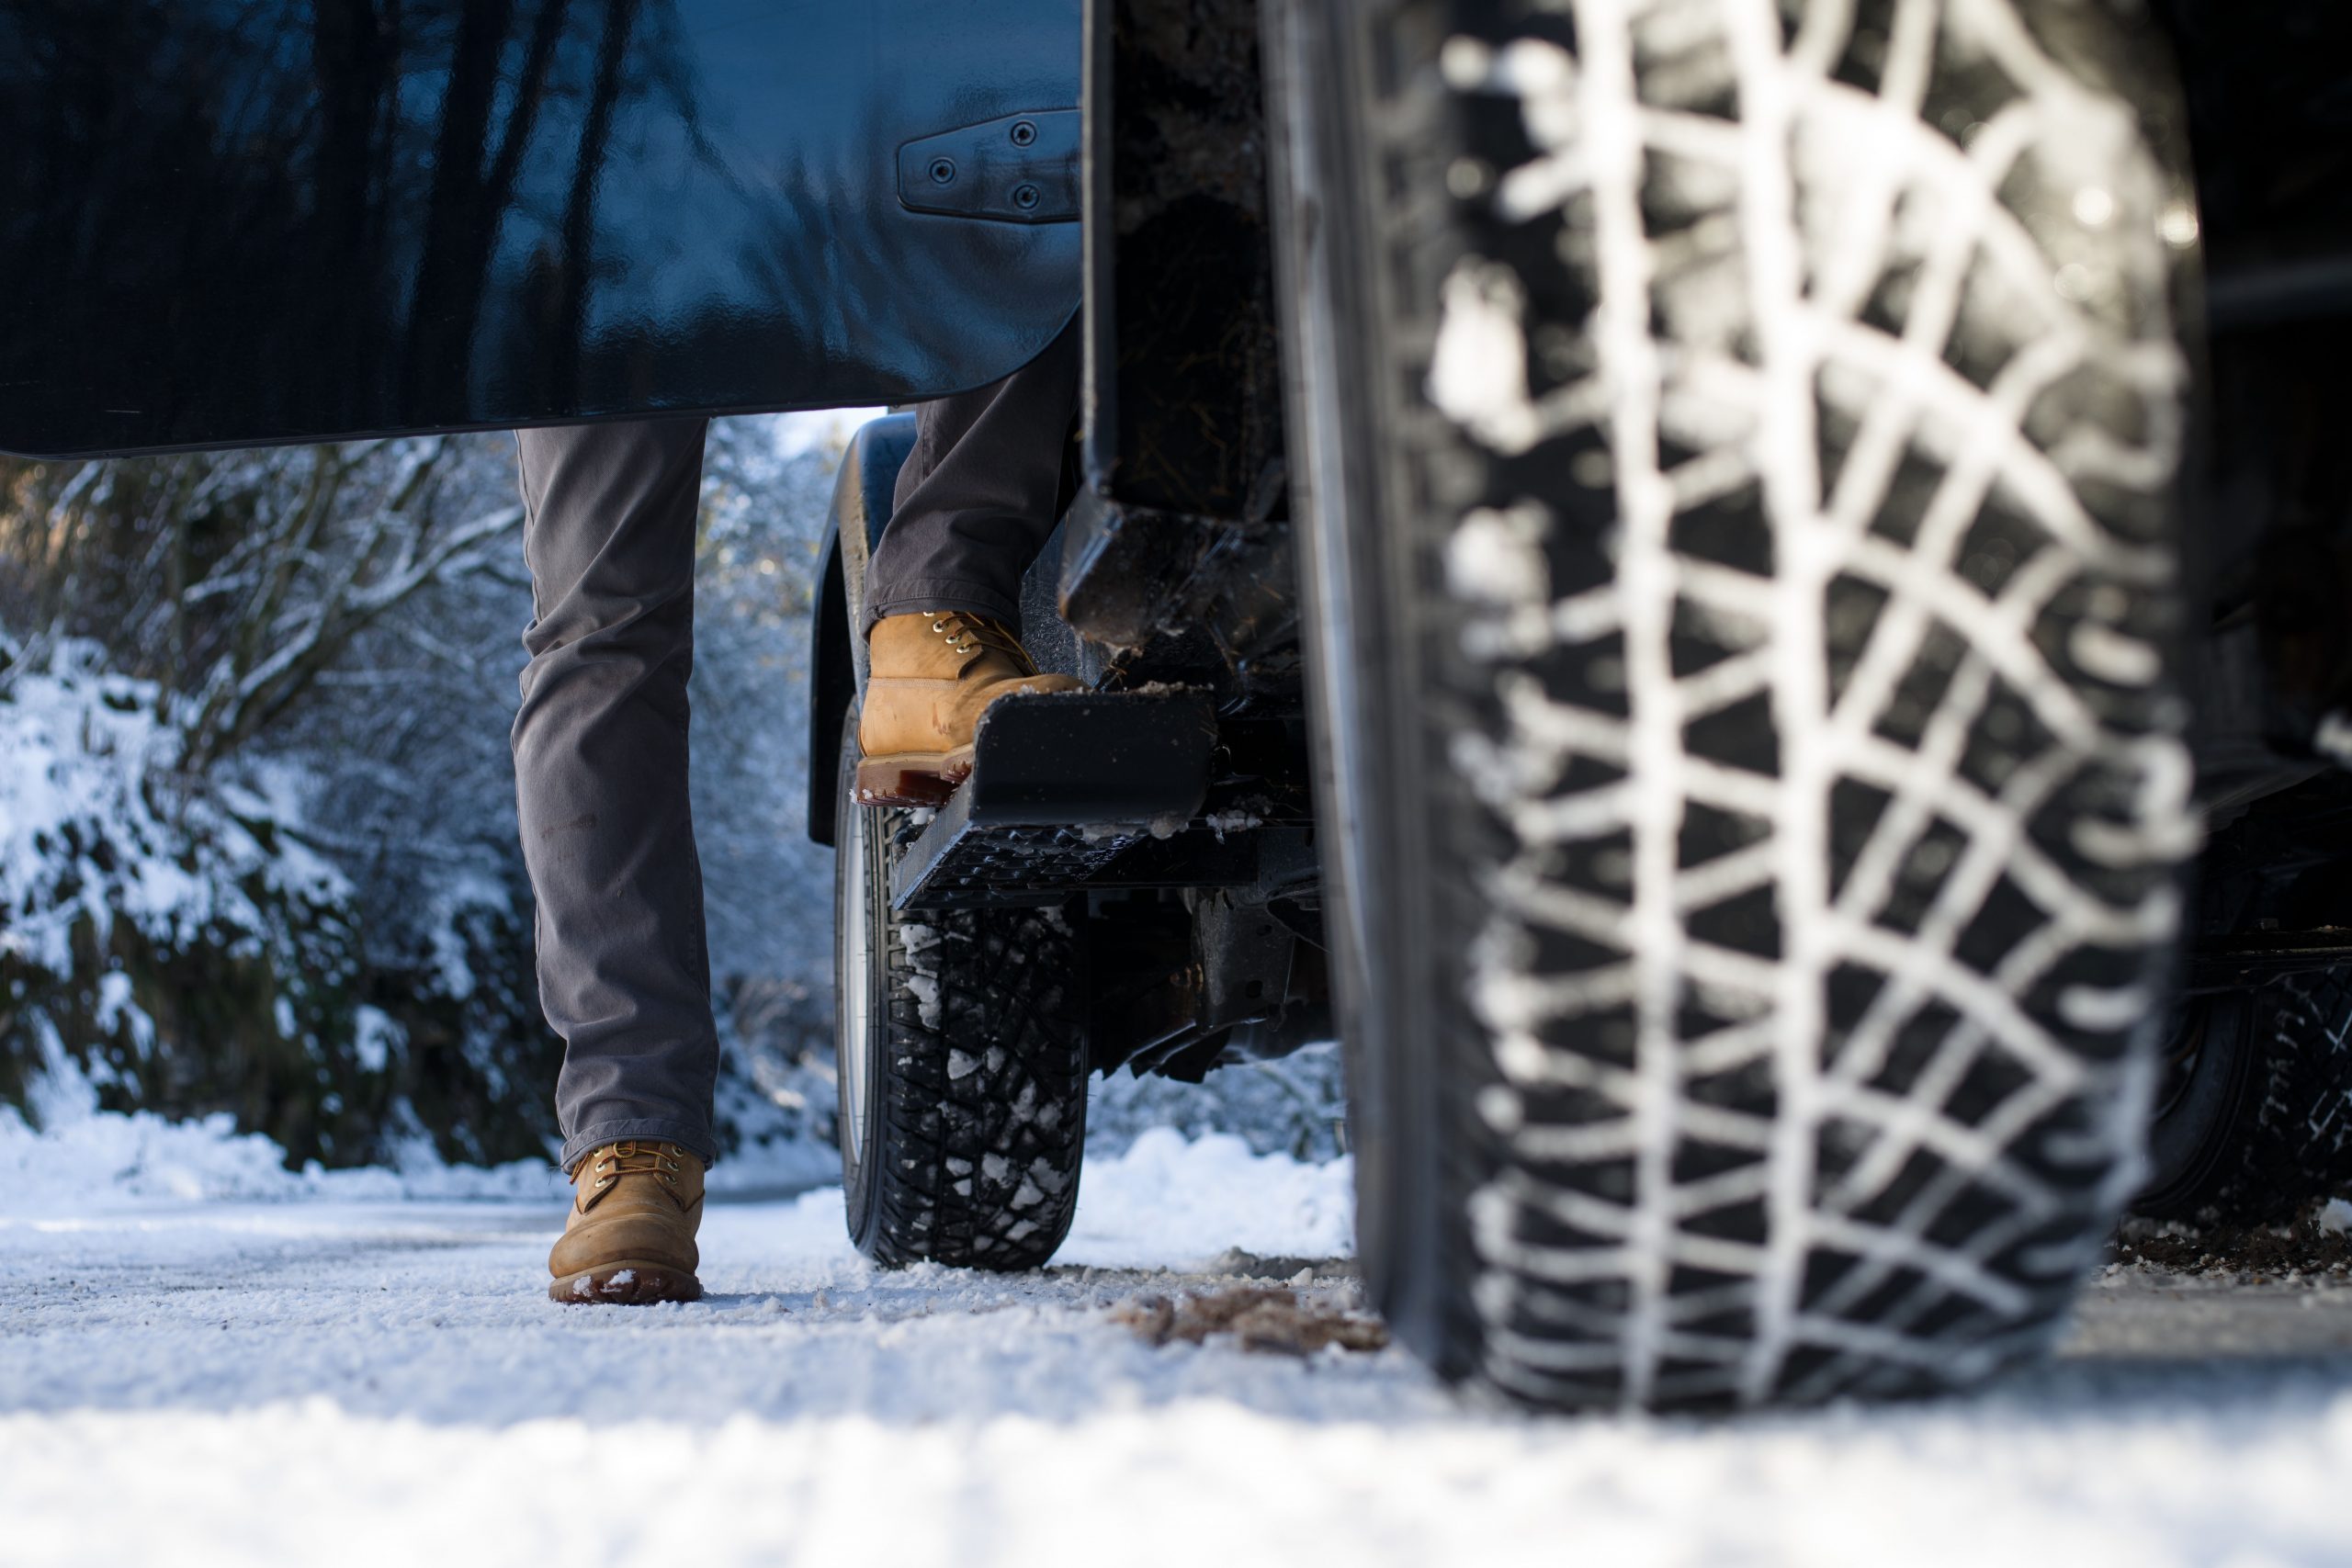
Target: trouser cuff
[(932, 596), (696, 1140)]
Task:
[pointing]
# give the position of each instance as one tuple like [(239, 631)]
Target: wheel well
[(862, 500)]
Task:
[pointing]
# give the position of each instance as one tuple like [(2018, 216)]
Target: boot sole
[(911, 778), (629, 1283)]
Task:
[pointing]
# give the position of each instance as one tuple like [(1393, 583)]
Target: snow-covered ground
[(339, 1375)]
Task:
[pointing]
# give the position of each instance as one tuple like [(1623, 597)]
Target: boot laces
[(969, 633), (614, 1161)]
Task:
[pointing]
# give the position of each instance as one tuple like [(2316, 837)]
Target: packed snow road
[(360, 1382)]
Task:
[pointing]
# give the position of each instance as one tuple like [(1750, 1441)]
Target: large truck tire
[(962, 1047), (1741, 573)]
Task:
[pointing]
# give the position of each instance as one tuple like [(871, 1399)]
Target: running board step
[(1062, 785)]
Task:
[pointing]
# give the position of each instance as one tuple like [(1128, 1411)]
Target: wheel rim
[(859, 957), (853, 991)]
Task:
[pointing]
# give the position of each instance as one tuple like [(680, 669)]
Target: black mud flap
[(1063, 788)]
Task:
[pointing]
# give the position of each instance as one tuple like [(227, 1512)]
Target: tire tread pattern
[(1802, 659), (982, 1100)]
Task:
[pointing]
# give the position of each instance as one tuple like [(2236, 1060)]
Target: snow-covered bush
[(1295, 1106), (164, 933), (171, 937), (262, 858)]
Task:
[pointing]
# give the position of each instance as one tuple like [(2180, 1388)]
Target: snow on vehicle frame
[(1685, 575)]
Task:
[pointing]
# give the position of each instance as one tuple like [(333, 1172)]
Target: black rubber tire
[(1749, 930), (2258, 1124), (965, 1147)]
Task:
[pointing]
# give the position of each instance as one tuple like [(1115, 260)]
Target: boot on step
[(929, 678)]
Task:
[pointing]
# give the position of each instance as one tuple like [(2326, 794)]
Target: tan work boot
[(629, 1239), (928, 678)]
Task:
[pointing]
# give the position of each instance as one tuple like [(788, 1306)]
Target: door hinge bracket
[(1021, 168)]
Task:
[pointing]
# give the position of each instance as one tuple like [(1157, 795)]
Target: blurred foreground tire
[(1742, 575)]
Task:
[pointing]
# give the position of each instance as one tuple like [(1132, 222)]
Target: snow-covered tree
[(325, 643)]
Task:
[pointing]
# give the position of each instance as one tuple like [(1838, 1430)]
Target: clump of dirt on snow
[(2316, 1243), (1259, 1318)]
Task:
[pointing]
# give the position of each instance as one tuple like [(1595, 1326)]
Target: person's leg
[(974, 503), (978, 494), (600, 773)]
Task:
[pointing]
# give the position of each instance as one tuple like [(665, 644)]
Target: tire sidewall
[(1382, 812)]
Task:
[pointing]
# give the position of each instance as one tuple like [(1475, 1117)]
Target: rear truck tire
[(2253, 1118), (1742, 579), (962, 1047)]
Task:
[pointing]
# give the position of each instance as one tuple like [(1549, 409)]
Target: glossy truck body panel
[(228, 222)]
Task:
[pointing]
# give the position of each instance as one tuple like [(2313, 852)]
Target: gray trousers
[(991, 474), (600, 740)]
